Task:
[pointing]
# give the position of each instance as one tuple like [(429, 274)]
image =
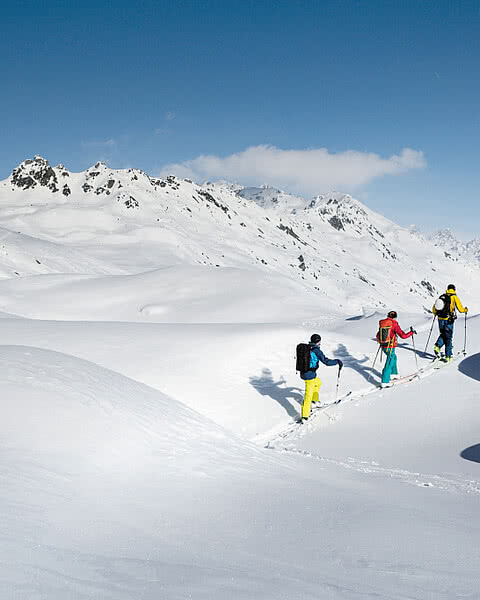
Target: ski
[(400, 381), (329, 404), (440, 363)]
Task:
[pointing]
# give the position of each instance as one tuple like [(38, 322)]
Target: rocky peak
[(342, 212), (454, 248), (34, 172), (443, 237)]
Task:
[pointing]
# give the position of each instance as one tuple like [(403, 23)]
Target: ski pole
[(414, 349), (374, 361), (426, 345), (465, 339), (338, 383)]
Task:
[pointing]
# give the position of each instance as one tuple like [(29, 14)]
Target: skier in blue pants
[(445, 310)]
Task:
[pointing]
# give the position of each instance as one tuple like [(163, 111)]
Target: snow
[(174, 294), (332, 246), (465, 251), (148, 441)]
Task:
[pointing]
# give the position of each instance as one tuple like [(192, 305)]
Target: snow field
[(180, 294), (148, 339), (111, 489)]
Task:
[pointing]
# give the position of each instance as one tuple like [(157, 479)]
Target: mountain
[(455, 249), (269, 197), (333, 248), (163, 459)]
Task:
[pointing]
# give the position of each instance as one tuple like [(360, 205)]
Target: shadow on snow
[(358, 364), (266, 386), (470, 366), (418, 351), (472, 453)]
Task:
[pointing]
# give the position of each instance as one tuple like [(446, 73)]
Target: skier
[(387, 338), (312, 382), (444, 308)]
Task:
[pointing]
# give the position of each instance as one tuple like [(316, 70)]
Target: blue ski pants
[(390, 367), (445, 337)]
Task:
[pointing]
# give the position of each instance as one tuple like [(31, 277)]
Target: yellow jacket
[(454, 304)]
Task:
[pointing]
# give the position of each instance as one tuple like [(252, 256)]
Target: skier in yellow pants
[(312, 382), (312, 387)]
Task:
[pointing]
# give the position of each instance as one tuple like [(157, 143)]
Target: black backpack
[(445, 312), (306, 361), (303, 358)]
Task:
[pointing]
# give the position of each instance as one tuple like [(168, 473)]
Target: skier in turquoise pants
[(390, 367), (387, 338)]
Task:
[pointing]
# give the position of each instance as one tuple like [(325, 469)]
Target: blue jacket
[(315, 350)]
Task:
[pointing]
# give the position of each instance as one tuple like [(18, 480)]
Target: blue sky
[(260, 87)]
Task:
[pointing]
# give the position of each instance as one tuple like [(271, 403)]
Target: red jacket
[(395, 330)]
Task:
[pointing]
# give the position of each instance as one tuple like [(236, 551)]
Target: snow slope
[(146, 499), (148, 441), (468, 252), (181, 294), (333, 247)]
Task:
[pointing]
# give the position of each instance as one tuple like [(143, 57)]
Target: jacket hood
[(451, 291)]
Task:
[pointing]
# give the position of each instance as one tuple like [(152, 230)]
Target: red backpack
[(386, 335)]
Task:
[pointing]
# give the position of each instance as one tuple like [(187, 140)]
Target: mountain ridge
[(333, 245)]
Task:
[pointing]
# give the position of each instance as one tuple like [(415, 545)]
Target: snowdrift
[(101, 474), (178, 294), (111, 489)]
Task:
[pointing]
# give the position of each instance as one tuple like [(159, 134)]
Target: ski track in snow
[(372, 468), (297, 430)]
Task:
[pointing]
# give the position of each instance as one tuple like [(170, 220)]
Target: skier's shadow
[(470, 366), (472, 453), (357, 364), (266, 386), (417, 351)]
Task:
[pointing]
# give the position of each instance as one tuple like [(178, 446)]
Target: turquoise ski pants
[(390, 367)]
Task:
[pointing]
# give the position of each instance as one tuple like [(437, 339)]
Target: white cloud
[(170, 115), (300, 171), (99, 144)]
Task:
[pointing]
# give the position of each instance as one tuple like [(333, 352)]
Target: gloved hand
[(340, 364), (413, 330), (466, 308)]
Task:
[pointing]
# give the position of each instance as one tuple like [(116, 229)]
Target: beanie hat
[(315, 338), (392, 314), (451, 286)]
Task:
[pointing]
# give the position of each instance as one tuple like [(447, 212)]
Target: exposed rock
[(34, 172), (336, 223), (131, 202)]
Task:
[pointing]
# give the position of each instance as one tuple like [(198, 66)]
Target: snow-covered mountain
[(148, 460), (269, 197), (455, 249), (338, 252)]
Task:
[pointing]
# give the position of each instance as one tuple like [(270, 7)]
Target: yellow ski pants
[(312, 387)]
